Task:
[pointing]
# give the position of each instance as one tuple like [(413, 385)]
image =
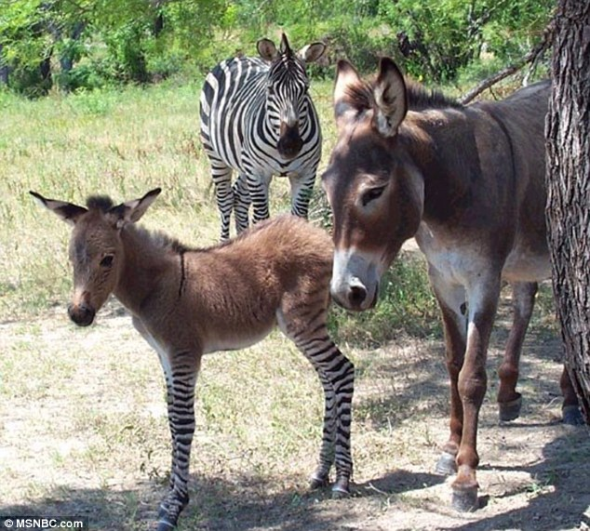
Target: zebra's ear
[(267, 50), (391, 98), (311, 52)]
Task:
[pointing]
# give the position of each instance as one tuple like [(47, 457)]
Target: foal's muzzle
[(82, 314)]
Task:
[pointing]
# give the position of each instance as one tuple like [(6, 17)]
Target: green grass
[(123, 143)]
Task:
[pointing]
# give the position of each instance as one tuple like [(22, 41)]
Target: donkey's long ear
[(132, 211), (69, 212), (310, 53), (391, 98), (347, 93), (267, 50)]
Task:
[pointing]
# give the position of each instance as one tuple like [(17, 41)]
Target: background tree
[(568, 174)]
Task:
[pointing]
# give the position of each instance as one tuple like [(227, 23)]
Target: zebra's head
[(287, 102)]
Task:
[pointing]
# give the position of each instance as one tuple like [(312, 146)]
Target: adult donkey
[(468, 183), (190, 302)]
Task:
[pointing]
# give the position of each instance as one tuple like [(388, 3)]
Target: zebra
[(258, 118)]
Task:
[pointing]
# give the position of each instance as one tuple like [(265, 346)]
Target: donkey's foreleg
[(181, 419), (451, 300), (523, 302), (482, 304)]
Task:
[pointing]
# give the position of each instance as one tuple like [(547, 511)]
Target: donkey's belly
[(522, 266)]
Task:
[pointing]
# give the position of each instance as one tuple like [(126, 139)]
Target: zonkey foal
[(189, 302)]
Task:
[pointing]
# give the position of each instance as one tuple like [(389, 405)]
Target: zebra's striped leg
[(224, 195), (301, 192), (181, 419), (241, 202), (258, 186)]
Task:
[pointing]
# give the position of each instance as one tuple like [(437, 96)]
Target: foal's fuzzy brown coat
[(188, 302)]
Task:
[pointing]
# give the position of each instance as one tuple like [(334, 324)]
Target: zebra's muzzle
[(290, 142)]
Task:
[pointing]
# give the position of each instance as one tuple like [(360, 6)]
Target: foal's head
[(375, 192), (287, 87), (96, 249)]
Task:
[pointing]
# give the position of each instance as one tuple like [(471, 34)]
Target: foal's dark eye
[(107, 261), (371, 194)]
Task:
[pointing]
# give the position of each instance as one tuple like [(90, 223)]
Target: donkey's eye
[(107, 261), (371, 194)]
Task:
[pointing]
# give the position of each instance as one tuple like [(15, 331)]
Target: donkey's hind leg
[(570, 409), (305, 324), (523, 302)]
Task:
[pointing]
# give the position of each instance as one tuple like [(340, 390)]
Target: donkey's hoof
[(510, 410), (446, 465), (316, 482), (465, 500), (572, 416), (340, 489)]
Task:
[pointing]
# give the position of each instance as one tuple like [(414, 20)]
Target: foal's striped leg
[(301, 321), (181, 419)]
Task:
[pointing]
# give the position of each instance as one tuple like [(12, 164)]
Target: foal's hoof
[(465, 500), (340, 489), (572, 416), (165, 525), (446, 465), (510, 410)]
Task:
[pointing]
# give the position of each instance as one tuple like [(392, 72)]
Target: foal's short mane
[(99, 202), (419, 97)]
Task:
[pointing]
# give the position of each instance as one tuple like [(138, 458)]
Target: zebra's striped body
[(190, 302), (258, 119)]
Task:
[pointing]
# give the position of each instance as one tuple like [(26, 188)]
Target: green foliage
[(94, 43)]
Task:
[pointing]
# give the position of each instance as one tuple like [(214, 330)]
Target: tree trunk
[(568, 187)]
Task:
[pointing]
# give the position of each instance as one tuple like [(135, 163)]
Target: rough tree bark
[(568, 183)]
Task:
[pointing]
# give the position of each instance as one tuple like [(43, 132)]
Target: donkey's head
[(96, 249), (375, 192), (287, 86)]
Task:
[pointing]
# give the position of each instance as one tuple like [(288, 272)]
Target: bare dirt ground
[(60, 453)]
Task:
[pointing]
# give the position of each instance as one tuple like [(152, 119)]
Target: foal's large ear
[(391, 98), (267, 50), (347, 84), (132, 211), (69, 212), (310, 53)]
